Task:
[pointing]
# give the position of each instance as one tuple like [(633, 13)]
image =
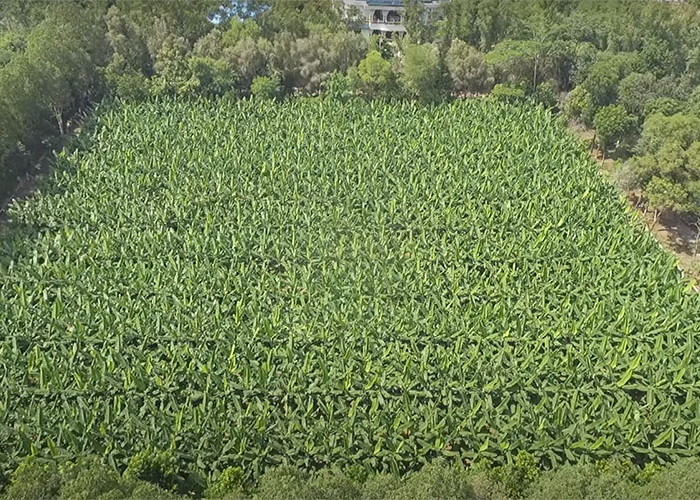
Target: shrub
[(85, 480), (212, 77), (265, 87), (436, 481), (333, 485), (339, 86), (155, 466), (666, 106), (626, 177), (516, 477), (579, 106), (34, 480), (375, 75), (578, 482), (283, 483), (422, 73), (486, 487), (505, 92), (546, 95), (92, 481), (612, 124), (468, 68), (380, 486), (230, 481)]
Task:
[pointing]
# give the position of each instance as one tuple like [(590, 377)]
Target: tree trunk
[(697, 239), (59, 118), (656, 218), (534, 76)]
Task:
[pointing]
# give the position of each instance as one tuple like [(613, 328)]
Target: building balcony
[(386, 26)]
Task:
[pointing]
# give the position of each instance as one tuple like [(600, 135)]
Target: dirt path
[(675, 234)]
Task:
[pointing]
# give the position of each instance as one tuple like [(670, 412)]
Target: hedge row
[(150, 475)]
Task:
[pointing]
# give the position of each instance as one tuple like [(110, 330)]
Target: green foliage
[(177, 178), (515, 61), (414, 15), (91, 482), (307, 63), (211, 77), (422, 72), (283, 483), (660, 130), (680, 481), (86, 479), (172, 69), (666, 106), (34, 480), (635, 92), (266, 87), (301, 17), (468, 69), (331, 484), (516, 477), (340, 85), (579, 482), (666, 195), (381, 486), (579, 106), (612, 124), (128, 43), (230, 481), (125, 83), (251, 58), (509, 93), (435, 481), (239, 30), (546, 95), (605, 75), (616, 479), (375, 75), (158, 467)]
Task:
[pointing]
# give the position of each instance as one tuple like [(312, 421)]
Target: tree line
[(630, 69)]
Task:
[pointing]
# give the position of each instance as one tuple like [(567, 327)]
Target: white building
[(385, 17)]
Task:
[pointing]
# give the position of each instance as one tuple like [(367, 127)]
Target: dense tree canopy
[(621, 63)]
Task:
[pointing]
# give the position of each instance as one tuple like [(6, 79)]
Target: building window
[(393, 17), (378, 16)]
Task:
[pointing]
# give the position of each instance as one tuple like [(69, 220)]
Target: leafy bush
[(34, 480), (230, 481), (612, 124), (375, 75), (680, 481), (468, 68), (380, 486), (516, 477), (579, 106), (436, 481), (87, 479), (332, 484), (546, 95), (666, 106), (283, 483), (339, 86), (506, 92), (266, 87), (579, 482), (422, 73), (155, 466)]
